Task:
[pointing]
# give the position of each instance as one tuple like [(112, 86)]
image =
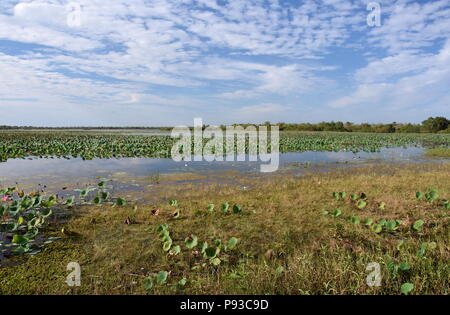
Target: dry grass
[(282, 225), (439, 152)]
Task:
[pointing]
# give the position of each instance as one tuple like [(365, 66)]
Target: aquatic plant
[(407, 288), (90, 146)]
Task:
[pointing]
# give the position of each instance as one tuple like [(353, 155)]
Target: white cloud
[(411, 76), (184, 54), (411, 26), (417, 81)]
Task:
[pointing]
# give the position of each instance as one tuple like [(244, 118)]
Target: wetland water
[(31, 172)]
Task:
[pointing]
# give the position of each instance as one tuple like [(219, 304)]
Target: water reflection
[(78, 171)]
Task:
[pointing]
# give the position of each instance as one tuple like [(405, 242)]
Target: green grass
[(287, 244), (439, 152)]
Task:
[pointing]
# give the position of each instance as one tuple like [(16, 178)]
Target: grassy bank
[(291, 238), (439, 152)]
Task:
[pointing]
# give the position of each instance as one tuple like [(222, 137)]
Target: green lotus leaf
[(404, 266), (120, 202), (215, 261), (337, 212), (211, 252), (161, 277), (361, 204), (231, 244), (377, 228), (407, 288), (237, 209), (225, 206), (368, 222), (418, 225), (148, 284), (167, 245), (175, 250), (191, 241)]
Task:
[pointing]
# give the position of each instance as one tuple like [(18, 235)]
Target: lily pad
[(407, 288), (191, 241), (231, 244), (161, 277), (361, 204), (148, 284), (418, 225)]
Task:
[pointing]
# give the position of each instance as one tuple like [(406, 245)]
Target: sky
[(165, 62)]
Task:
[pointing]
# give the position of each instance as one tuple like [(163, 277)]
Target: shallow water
[(77, 171)]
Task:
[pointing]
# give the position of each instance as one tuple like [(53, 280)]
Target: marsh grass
[(286, 244), (439, 152)]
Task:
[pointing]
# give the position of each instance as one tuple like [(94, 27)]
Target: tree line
[(432, 124)]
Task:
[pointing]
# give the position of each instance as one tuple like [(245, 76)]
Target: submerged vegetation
[(89, 146), (315, 234)]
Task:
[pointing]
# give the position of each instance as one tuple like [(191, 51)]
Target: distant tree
[(391, 127), (435, 124), (409, 128), (365, 127)]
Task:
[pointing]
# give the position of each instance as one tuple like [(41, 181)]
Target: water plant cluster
[(367, 142), (23, 216), (201, 254), (88, 146), (394, 227)]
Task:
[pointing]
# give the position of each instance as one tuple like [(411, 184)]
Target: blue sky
[(164, 62)]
